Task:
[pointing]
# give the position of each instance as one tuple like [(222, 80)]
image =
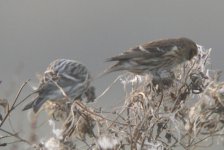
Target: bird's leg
[(90, 94), (163, 79), (157, 81)]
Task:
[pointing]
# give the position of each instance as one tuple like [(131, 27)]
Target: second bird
[(72, 76)]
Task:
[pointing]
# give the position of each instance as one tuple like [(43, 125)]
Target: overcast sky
[(35, 32)]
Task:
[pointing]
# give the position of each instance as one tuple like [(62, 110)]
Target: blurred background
[(35, 32)]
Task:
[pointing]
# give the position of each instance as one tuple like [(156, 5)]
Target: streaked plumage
[(155, 56), (72, 76)]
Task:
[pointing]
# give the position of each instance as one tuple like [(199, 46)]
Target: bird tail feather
[(114, 68), (28, 106), (36, 104)]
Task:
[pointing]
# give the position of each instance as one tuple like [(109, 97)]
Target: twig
[(16, 136), (13, 105)]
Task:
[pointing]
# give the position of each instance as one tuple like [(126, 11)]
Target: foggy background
[(35, 32)]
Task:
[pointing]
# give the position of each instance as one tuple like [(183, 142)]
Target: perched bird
[(155, 56), (69, 75)]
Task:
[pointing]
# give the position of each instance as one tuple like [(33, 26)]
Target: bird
[(70, 75), (154, 56)]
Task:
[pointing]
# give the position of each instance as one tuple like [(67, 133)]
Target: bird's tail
[(28, 106), (113, 68), (36, 104)]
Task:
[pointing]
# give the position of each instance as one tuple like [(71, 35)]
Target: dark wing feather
[(160, 47), (28, 106), (132, 53), (148, 50), (38, 103), (72, 70), (35, 104)]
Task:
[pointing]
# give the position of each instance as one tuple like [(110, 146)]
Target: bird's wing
[(68, 71), (160, 47), (131, 53), (149, 50), (77, 72)]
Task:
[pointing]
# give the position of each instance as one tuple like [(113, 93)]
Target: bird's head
[(189, 48)]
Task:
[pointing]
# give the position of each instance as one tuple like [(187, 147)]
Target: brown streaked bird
[(155, 56)]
